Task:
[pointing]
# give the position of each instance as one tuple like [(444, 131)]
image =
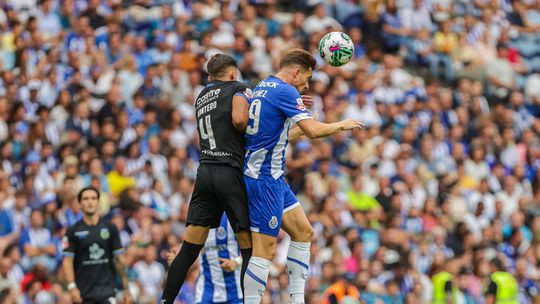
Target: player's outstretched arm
[(296, 131), (240, 113), (315, 129)]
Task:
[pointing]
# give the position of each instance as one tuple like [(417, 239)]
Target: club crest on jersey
[(221, 233), (300, 104), (273, 222), (104, 233)]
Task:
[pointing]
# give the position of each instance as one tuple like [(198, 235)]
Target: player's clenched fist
[(228, 265), (75, 295), (349, 124)]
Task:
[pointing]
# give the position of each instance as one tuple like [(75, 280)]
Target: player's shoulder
[(108, 224), (75, 227)]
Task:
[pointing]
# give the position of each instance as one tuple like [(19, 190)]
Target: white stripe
[(220, 293), (199, 287), (291, 207), (277, 154), (298, 117), (233, 247), (255, 162), (254, 229)]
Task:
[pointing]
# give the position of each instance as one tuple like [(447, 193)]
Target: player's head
[(222, 67), (299, 65), (89, 199), (496, 265)]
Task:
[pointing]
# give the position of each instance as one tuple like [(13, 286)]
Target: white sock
[(255, 279), (298, 266)]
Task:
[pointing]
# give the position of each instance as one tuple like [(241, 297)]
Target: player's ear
[(296, 73), (233, 74)]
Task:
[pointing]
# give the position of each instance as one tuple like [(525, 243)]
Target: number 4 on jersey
[(205, 125)]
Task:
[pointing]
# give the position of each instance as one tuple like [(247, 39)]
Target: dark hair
[(217, 65), (299, 57), (497, 263), (79, 196)]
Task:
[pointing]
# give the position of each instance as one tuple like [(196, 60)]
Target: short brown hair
[(219, 64), (299, 57)]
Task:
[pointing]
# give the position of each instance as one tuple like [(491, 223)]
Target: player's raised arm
[(315, 129)]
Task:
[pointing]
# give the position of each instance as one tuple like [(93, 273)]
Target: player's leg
[(202, 215), (296, 224), (264, 250), (265, 197), (230, 186)]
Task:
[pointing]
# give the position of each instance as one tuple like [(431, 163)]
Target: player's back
[(274, 106), (220, 142)]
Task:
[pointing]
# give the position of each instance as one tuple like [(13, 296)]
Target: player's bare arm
[(315, 129), (69, 271), (240, 114), (121, 268)]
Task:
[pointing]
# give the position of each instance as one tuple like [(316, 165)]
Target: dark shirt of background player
[(93, 255)]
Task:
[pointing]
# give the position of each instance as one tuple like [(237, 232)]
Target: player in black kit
[(93, 255), (221, 111)]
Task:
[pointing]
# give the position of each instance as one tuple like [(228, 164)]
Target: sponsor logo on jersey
[(104, 233), (221, 233), (300, 104), (273, 222), (96, 252), (82, 234)]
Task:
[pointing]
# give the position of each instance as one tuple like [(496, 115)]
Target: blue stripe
[(66, 253), (208, 291), (256, 278), (298, 262)]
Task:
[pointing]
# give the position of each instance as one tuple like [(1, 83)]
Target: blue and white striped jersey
[(274, 106), (214, 284)]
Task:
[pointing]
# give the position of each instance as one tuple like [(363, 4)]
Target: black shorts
[(218, 189)]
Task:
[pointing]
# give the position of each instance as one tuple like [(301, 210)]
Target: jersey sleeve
[(115, 240), (242, 89), (291, 104), (68, 243)]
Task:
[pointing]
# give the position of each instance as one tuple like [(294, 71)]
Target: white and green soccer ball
[(336, 48)]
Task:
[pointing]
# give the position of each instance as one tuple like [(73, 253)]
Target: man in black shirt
[(93, 255), (221, 112)]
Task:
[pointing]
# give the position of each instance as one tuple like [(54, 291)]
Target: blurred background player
[(93, 255), (502, 286), (275, 105), (219, 268)]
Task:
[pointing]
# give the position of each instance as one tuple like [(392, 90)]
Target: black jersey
[(220, 142), (93, 249)]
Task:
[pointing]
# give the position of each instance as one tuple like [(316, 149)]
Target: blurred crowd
[(445, 174)]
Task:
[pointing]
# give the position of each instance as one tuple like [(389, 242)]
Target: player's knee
[(244, 239), (305, 234), (265, 249), (196, 234)]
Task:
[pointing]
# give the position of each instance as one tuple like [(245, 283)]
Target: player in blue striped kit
[(220, 261), (275, 105)]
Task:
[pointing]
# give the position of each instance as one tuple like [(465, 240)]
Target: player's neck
[(91, 220), (284, 76)]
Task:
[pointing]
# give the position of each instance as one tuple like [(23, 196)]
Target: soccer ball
[(336, 48)]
